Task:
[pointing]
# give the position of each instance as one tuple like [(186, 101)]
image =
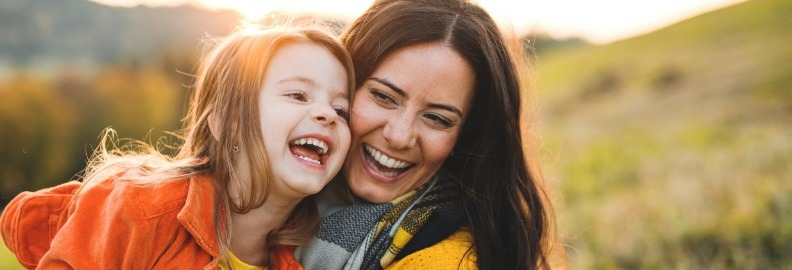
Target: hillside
[(674, 149), (49, 33)]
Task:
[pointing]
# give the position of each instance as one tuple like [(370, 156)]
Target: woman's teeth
[(386, 161), (321, 145)]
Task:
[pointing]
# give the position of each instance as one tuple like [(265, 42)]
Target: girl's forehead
[(306, 65)]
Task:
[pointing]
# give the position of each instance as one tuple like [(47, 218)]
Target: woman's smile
[(405, 120), (383, 165)]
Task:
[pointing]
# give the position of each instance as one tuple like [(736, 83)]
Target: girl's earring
[(235, 149)]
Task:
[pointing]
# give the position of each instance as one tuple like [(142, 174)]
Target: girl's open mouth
[(310, 149)]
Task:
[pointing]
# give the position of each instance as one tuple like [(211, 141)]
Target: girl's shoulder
[(131, 183), (131, 194), (122, 207)]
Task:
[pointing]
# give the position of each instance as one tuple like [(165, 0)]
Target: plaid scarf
[(372, 236)]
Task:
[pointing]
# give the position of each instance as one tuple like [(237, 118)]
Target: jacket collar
[(197, 215)]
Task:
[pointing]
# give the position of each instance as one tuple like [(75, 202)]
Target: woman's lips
[(383, 167)]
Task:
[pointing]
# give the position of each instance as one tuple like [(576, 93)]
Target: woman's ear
[(214, 126)]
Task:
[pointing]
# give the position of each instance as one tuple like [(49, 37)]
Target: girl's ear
[(214, 126)]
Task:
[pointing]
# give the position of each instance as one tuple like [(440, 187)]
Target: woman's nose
[(399, 132)]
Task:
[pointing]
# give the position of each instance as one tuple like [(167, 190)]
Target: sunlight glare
[(599, 21), (250, 9)]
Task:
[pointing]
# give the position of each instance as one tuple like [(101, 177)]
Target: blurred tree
[(539, 43), (37, 128)]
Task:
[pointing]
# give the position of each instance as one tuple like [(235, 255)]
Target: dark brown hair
[(504, 201)]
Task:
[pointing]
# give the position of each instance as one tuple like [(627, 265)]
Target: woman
[(436, 162)]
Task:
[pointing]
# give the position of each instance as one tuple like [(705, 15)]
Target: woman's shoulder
[(454, 252)]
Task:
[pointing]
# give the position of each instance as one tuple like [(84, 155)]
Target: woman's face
[(405, 119)]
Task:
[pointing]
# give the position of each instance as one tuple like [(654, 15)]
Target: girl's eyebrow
[(310, 82), (298, 79), (404, 94)]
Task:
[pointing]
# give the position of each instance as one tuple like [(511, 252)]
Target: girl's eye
[(298, 96), (381, 97), (438, 121), (343, 113)]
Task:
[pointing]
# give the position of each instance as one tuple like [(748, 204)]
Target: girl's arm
[(30, 221), (103, 228), (127, 224)]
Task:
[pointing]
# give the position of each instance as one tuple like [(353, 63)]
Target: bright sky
[(600, 21)]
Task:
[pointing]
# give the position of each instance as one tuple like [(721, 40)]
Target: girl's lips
[(312, 150)]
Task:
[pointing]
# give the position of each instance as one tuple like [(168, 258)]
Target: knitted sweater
[(454, 252)]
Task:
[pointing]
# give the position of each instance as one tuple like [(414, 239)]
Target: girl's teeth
[(312, 141), (310, 160)]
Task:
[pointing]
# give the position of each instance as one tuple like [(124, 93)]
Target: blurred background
[(665, 127)]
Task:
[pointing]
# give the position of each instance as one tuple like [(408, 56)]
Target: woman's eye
[(343, 113), (298, 96), (381, 97), (439, 121)]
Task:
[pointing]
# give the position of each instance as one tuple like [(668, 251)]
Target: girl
[(266, 127)]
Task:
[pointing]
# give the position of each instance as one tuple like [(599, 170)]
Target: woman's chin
[(371, 193)]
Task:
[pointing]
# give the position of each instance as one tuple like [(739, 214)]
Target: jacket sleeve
[(30, 221), (105, 227)]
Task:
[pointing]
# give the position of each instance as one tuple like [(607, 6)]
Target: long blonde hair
[(227, 84)]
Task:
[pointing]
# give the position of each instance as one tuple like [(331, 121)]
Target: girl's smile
[(303, 106)]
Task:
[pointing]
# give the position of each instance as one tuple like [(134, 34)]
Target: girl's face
[(406, 119), (303, 107)]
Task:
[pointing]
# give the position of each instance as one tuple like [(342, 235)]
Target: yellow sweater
[(454, 252)]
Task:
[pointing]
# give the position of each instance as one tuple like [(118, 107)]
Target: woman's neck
[(249, 231)]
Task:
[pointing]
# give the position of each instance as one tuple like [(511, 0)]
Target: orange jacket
[(118, 224)]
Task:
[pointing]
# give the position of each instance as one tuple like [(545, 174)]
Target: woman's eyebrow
[(404, 94), (392, 86), (445, 107)]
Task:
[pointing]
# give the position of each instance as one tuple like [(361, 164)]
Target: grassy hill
[(674, 149), (38, 33)]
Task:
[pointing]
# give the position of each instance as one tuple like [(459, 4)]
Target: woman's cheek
[(364, 115), (442, 143)]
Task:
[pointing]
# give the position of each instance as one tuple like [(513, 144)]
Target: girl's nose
[(324, 114)]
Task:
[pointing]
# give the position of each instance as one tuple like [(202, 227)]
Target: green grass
[(674, 149), (7, 259)]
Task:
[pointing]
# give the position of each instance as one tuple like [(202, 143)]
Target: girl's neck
[(249, 231)]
